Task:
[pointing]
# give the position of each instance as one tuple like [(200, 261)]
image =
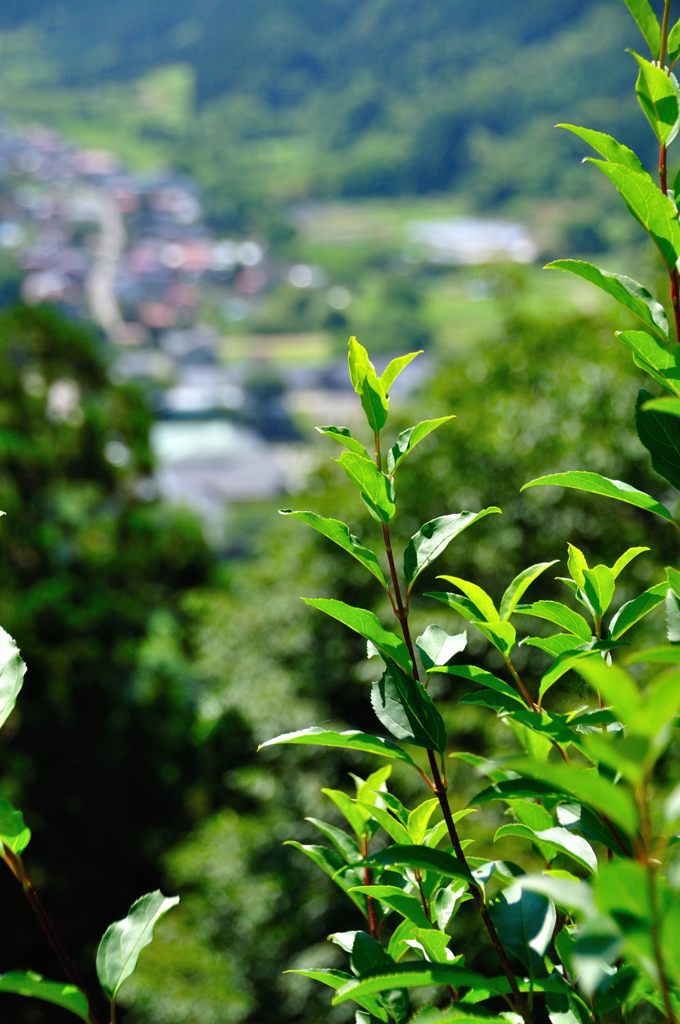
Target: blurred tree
[(102, 752)]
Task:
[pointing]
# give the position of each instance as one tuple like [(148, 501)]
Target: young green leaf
[(480, 599), (668, 406), (409, 907), (335, 979), (436, 647), (648, 23), (341, 840), (434, 537), (366, 384), (356, 815), (367, 625), (559, 840), (419, 819), (124, 940), (350, 740), (660, 435), (395, 367), (633, 611), (525, 922), (394, 828), (501, 634), (674, 43), (442, 863), (657, 94), (377, 490), (598, 588), (654, 357), (560, 615), (27, 983), (586, 786), (593, 483), (405, 708), (12, 671), (483, 678), (417, 975), (520, 585), (340, 534), (650, 207), (607, 147), (626, 558), (633, 296), (343, 436), (409, 438), (333, 865), (14, 832)]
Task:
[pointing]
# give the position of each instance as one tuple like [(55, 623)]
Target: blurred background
[(197, 206)]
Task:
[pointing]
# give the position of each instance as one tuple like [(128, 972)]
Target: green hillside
[(282, 101)]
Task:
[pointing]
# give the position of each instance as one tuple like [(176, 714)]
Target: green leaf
[(419, 819), (653, 357), (12, 670), (342, 435), (366, 384), (672, 618), (409, 907), (501, 634), (341, 840), (598, 588), (436, 646), (580, 480), (340, 534), (560, 615), (405, 708), (434, 537), (586, 786), (483, 678), (333, 865), (394, 828), (525, 922), (423, 858), (607, 147), (14, 832), (657, 94), (417, 975), (376, 488), (520, 585), (633, 296), (350, 740), (565, 892), (356, 814), (408, 439), (483, 604), (648, 23), (454, 1015), (650, 207), (364, 622), (669, 406), (335, 979), (556, 838), (674, 43), (660, 435), (124, 940), (626, 558), (27, 983), (395, 367), (632, 611), (577, 564)]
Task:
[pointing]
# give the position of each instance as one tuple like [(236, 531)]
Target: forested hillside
[(339, 97)]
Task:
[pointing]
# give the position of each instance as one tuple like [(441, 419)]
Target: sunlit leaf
[(14, 832), (409, 438), (581, 480), (12, 671), (560, 615), (377, 490), (648, 23), (364, 622), (410, 856), (434, 537), (366, 384), (395, 367), (628, 293), (520, 585), (124, 940), (607, 147), (339, 533), (350, 740), (436, 647), (657, 94), (525, 922), (27, 983), (405, 708)]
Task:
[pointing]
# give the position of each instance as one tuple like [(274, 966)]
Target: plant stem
[(650, 865), (49, 929), (370, 905), (439, 784), (673, 276)]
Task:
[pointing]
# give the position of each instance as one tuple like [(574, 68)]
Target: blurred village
[(131, 253)]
